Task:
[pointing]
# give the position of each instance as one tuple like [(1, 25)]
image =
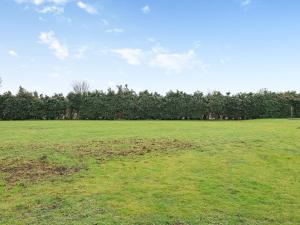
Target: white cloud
[(146, 9), (36, 2), (115, 30), (160, 58), (176, 62), (225, 60), (132, 56), (51, 9), (105, 22), (80, 52), (49, 38), (89, 9), (41, 2), (41, 19), (198, 44), (58, 1), (158, 49), (151, 39), (245, 3), (13, 53), (45, 6)]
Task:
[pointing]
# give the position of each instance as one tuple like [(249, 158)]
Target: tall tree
[(80, 87)]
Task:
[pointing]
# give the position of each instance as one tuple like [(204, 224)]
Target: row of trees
[(125, 103)]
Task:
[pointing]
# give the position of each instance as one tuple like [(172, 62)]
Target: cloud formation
[(114, 30), (177, 62), (79, 53), (245, 3), (49, 39), (45, 6), (132, 56), (88, 8), (41, 2), (51, 9), (158, 57), (146, 9), (13, 53)]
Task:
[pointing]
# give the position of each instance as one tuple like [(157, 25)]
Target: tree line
[(125, 103)]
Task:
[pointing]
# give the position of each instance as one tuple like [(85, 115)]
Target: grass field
[(150, 172)]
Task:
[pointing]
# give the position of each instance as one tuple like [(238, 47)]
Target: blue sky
[(226, 45)]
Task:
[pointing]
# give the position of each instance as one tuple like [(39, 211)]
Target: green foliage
[(125, 103)]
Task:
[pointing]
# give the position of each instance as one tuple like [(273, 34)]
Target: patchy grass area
[(150, 172), (31, 170)]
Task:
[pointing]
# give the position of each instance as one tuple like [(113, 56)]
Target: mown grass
[(150, 172)]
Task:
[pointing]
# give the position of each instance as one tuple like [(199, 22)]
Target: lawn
[(150, 172)]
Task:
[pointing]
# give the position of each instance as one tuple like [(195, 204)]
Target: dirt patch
[(126, 147), (109, 148), (177, 223), (18, 170), (14, 147), (32, 170)]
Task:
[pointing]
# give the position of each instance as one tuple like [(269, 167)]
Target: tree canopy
[(125, 103)]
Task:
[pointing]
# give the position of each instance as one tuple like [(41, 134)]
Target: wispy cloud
[(151, 40), (105, 22), (59, 50), (225, 60), (51, 9), (45, 6), (13, 53), (198, 44), (41, 19), (88, 8), (114, 30), (132, 56), (177, 62), (41, 2), (245, 3), (79, 53), (158, 57), (146, 9)]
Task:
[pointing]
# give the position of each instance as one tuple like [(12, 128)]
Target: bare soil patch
[(102, 149), (17, 170), (32, 170)]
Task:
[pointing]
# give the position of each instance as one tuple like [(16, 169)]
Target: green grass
[(150, 172)]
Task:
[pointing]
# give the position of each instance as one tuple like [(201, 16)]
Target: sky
[(159, 45)]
